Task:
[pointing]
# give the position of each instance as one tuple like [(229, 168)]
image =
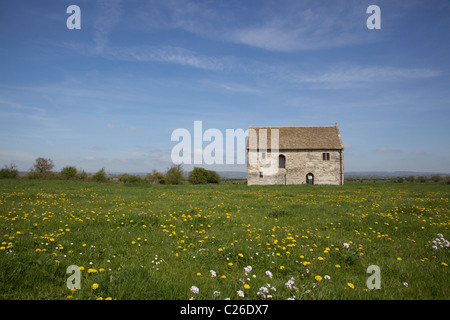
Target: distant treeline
[(411, 179), (42, 169)]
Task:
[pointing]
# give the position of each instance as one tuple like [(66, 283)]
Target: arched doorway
[(310, 178)]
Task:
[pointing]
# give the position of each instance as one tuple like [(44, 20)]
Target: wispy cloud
[(274, 26), (105, 22), (167, 54), (387, 150), (370, 74), (131, 129)]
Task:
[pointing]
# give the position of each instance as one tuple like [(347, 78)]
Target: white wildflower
[(195, 289), (248, 269)]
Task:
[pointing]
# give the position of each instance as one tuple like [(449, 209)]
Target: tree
[(42, 165), (175, 175)]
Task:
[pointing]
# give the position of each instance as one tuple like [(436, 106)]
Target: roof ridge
[(294, 127)]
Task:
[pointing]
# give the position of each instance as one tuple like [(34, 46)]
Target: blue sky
[(111, 94)]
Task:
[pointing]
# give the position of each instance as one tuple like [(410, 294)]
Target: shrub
[(100, 176), (68, 172), (198, 176), (213, 177), (123, 178), (155, 177), (134, 179), (10, 172), (421, 179), (175, 175), (411, 179), (203, 176), (82, 175), (435, 178)]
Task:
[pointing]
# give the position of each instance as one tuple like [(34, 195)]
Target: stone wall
[(298, 164)]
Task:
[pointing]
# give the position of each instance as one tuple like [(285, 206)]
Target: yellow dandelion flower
[(246, 286), (318, 278), (351, 285), (444, 264), (399, 259), (240, 255), (95, 286), (281, 267), (338, 266)]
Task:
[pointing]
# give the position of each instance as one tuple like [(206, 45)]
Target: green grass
[(156, 241)]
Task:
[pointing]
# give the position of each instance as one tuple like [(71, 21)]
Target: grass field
[(223, 241)]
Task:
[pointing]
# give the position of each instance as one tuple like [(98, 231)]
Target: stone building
[(295, 155)]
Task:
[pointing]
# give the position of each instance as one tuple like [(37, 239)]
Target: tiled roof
[(301, 137)]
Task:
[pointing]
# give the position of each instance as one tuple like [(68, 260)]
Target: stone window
[(260, 174), (326, 156), (281, 162)]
